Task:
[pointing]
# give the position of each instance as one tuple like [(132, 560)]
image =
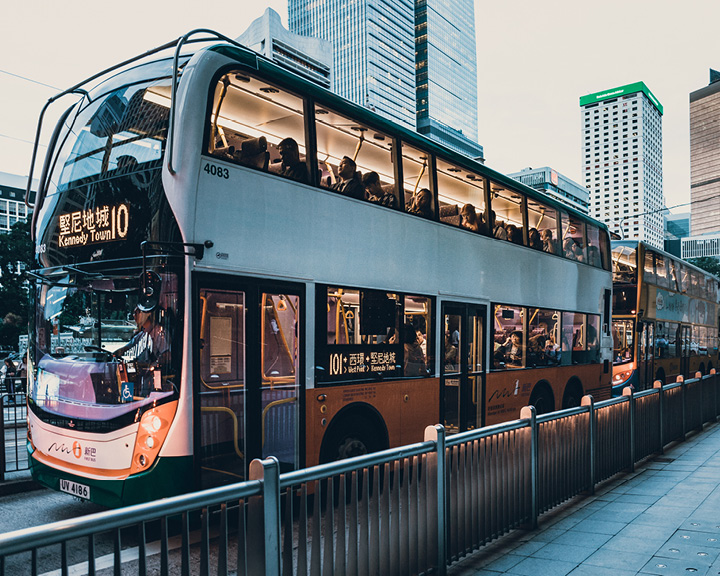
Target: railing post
[(628, 391), (661, 416), (682, 399), (268, 471), (715, 393), (529, 413), (437, 434), (2, 430), (589, 401)]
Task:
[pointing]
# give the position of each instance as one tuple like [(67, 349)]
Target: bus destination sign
[(93, 226), (362, 362)]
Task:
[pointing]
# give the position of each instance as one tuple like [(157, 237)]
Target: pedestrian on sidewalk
[(7, 374)]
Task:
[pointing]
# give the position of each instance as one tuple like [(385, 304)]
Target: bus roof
[(254, 61), (636, 243)]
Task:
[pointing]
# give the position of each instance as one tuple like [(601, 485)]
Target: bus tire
[(572, 397), (353, 432), (542, 398)]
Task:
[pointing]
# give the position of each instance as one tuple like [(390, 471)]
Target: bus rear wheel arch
[(355, 430), (572, 397), (542, 398), (660, 375)]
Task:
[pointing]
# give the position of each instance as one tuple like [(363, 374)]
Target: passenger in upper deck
[(292, 166), (421, 204), (499, 230), (471, 220), (349, 182), (548, 242), (376, 193)]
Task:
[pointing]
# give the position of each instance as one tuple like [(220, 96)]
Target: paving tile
[(529, 548), (588, 570), (696, 552), (564, 552), (584, 539), (616, 559), (638, 498), (645, 532), (640, 546), (504, 563), (548, 535), (535, 566), (674, 567), (600, 526), (693, 538)]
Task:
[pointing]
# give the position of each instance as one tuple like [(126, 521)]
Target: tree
[(707, 263), (16, 253)]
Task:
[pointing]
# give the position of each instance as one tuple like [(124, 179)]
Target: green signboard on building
[(621, 91)]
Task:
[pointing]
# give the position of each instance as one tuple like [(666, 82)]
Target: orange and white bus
[(665, 317), (212, 287)]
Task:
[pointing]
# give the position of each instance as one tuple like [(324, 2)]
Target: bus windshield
[(104, 344)]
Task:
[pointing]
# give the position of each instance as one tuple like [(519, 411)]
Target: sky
[(535, 60)]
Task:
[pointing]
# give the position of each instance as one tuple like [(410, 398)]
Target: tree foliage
[(16, 254), (707, 263)]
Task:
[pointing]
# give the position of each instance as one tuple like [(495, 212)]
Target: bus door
[(463, 366), (685, 339), (249, 380), (645, 353)]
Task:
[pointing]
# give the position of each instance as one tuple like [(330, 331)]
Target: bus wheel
[(350, 435), (572, 398), (542, 399)]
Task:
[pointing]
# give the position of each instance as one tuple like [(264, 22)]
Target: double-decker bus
[(665, 317), (215, 283)]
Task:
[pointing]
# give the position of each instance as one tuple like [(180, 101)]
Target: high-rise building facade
[(705, 158), (555, 185), (373, 50), (622, 161), (411, 61), (12, 200), (306, 56), (446, 73)]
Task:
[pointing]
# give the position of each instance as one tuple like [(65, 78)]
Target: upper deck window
[(462, 197), (624, 264), (259, 125), (417, 170), (508, 211), (543, 226), (370, 150), (573, 238)]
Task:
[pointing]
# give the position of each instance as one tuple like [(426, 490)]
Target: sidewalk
[(662, 519)]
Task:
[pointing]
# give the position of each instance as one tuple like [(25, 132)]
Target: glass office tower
[(373, 50), (446, 73), (411, 61)]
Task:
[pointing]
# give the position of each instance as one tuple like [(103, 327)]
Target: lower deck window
[(372, 334)]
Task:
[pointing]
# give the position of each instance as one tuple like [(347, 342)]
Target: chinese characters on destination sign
[(362, 362), (100, 224)]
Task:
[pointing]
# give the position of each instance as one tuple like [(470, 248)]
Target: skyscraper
[(705, 158), (412, 62), (555, 185), (373, 50), (622, 161), (446, 73), (308, 57)]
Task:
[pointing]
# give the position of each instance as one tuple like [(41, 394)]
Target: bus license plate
[(79, 490)]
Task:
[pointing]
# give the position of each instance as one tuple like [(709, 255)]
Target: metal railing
[(411, 510), (13, 424)]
